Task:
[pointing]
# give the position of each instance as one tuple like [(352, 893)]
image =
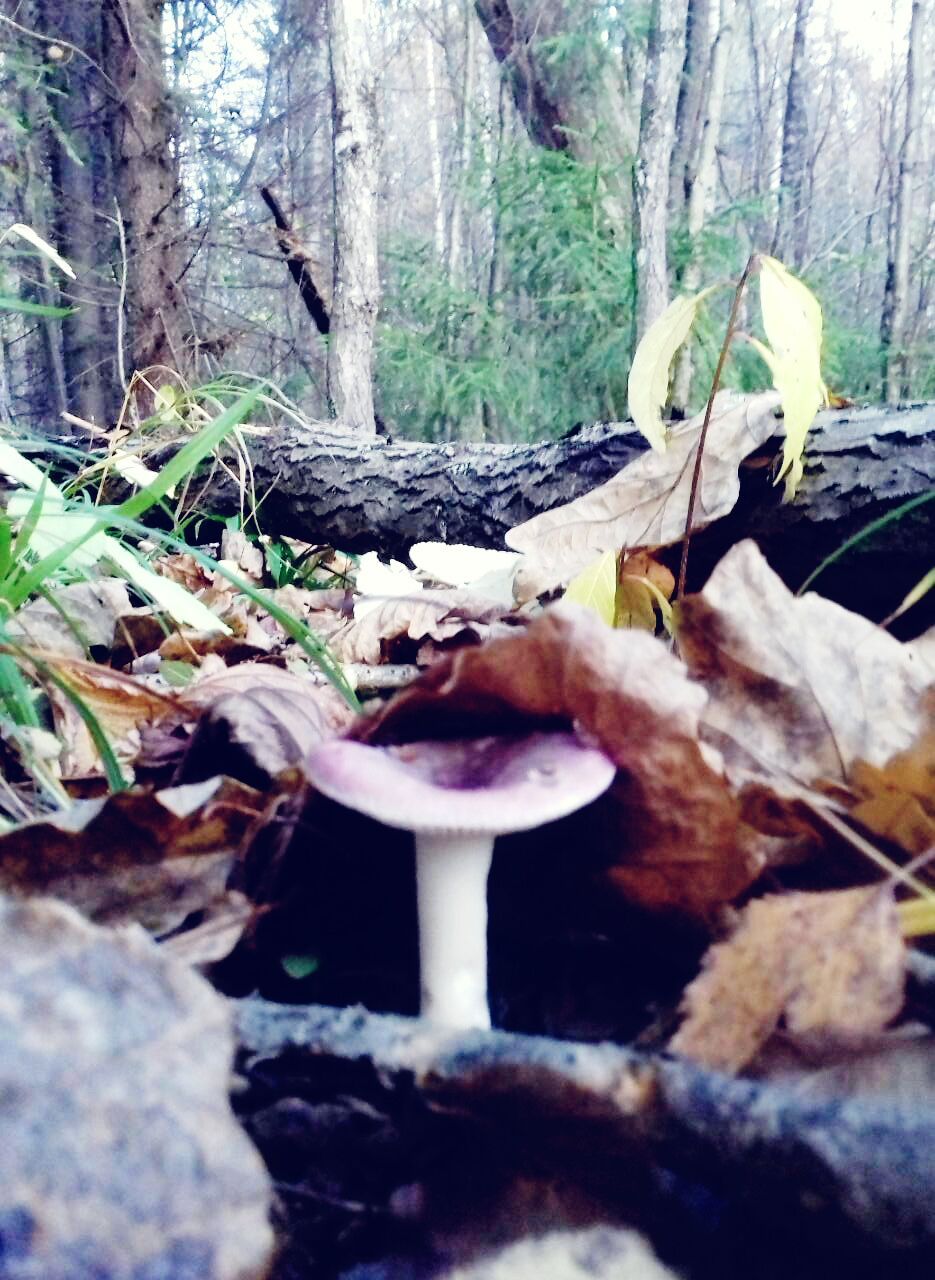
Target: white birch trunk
[(435, 155), (356, 146), (654, 158), (456, 233)]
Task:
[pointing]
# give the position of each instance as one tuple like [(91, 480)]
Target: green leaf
[(176, 673), (179, 604), (648, 383), (32, 308), (792, 320), (299, 967), (596, 587)]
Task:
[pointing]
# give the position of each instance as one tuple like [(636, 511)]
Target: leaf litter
[(725, 755)]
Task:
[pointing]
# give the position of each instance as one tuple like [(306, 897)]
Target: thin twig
[(121, 318), (715, 384)]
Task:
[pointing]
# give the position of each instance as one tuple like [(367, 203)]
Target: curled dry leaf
[(432, 615), (675, 837), (831, 965), (150, 857), (645, 586), (646, 504), (800, 687), (254, 735), (320, 706), (243, 630), (121, 703), (215, 937)]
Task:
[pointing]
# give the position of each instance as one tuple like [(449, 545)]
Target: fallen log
[(329, 486), (365, 494)]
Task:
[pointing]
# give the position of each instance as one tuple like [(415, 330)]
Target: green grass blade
[(188, 457), (32, 308), (868, 531)]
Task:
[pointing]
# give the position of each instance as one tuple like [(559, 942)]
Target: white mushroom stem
[(451, 883)]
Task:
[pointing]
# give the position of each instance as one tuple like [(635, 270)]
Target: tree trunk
[(356, 157), (463, 154), (702, 184), (435, 150), (566, 88), (148, 193), (654, 159), (896, 295), (78, 154), (689, 110), (791, 229)]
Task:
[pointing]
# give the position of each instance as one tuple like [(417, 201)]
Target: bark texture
[(700, 186), (361, 495), (689, 110), (148, 187), (78, 154), (356, 144), (654, 158), (566, 88), (792, 232)]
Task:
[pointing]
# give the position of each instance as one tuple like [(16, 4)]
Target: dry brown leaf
[(320, 705), (246, 634), (676, 838), (79, 616), (800, 687), (121, 703), (831, 965), (241, 555), (185, 570), (150, 857), (646, 504), (435, 615), (897, 802), (217, 935)]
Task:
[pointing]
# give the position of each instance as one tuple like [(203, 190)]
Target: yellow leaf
[(644, 583), (596, 587), (792, 320), (648, 384)]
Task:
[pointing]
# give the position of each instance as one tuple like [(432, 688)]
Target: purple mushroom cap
[(495, 785)]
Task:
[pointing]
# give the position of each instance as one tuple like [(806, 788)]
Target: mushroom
[(456, 797)]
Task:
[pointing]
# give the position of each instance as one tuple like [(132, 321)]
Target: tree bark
[(792, 228), (654, 159), (701, 184), (78, 156), (690, 107), (361, 495), (148, 188), (896, 294), (565, 87), (356, 293)]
